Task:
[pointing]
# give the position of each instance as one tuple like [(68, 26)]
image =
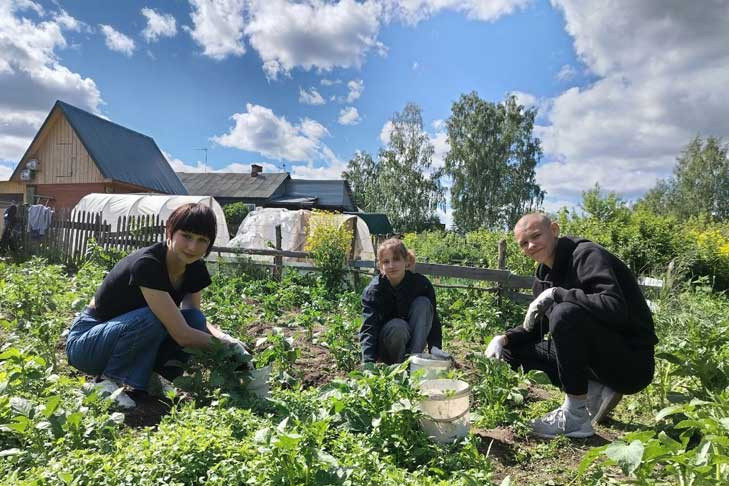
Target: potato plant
[(335, 421)]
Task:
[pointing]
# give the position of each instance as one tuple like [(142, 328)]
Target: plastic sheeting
[(113, 206), (258, 231)]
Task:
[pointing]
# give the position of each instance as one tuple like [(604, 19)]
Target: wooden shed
[(77, 153)]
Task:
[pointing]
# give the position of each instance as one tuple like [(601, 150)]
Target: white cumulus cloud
[(356, 86), (348, 116), (662, 74), (527, 100), (31, 75), (313, 34), (158, 25), (218, 27), (116, 41), (310, 97), (330, 171), (179, 165), (440, 144), (413, 11), (5, 172), (386, 131), (258, 129), (566, 72)]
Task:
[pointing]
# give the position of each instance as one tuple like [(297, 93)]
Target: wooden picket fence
[(68, 237), (68, 240)]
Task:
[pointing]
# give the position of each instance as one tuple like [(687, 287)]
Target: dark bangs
[(194, 218)]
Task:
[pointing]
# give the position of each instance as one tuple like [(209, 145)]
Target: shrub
[(706, 251), (329, 244), (235, 213)]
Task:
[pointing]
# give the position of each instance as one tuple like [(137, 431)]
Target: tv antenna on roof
[(205, 167)]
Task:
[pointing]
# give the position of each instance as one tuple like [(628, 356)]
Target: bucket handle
[(443, 397), (448, 419)]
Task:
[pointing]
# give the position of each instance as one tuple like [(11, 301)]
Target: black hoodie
[(382, 302), (591, 277)]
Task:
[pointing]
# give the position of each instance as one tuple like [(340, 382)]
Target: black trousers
[(580, 348)]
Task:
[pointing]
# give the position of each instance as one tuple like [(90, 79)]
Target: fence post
[(352, 244), (502, 266), (278, 259)]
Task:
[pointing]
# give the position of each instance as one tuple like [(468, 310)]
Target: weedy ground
[(328, 420)]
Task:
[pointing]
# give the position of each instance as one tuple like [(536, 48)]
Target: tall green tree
[(605, 208), (700, 183), (493, 154), (409, 190), (362, 173)]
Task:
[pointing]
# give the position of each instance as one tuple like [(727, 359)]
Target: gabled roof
[(335, 194), (233, 184), (122, 154)]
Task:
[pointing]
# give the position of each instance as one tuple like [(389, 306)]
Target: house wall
[(68, 195), (11, 187), (62, 158)]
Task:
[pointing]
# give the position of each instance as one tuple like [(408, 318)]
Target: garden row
[(328, 422)]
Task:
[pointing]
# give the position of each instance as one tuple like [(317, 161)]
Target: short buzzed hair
[(541, 217)]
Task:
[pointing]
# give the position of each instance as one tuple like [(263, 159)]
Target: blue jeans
[(129, 347)]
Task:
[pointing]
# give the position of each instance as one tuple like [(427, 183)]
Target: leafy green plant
[(235, 213), (499, 392), (104, 257), (329, 244), (697, 456), (277, 350), (213, 371), (37, 298), (340, 338)]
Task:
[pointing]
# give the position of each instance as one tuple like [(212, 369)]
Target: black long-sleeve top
[(591, 277), (382, 302)]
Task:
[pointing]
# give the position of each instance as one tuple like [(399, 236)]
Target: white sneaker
[(115, 393), (563, 422), (160, 387), (601, 400)]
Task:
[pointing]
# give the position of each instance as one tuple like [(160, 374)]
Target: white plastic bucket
[(434, 367), (445, 409), (259, 385)]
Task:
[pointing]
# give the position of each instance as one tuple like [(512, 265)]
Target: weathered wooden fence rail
[(68, 235)]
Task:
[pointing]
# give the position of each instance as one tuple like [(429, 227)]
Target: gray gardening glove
[(538, 307)]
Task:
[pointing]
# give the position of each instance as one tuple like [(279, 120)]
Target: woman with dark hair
[(147, 310)]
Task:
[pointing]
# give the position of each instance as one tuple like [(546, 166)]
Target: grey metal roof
[(233, 184), (303, 201), (334, 194), (122, 154)]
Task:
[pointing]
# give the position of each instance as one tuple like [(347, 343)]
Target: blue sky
[(620, 86)]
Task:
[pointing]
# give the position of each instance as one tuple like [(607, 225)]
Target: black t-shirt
[(119, 293)]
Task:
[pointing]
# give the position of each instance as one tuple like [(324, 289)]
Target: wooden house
[(76, 153), (271, 190)]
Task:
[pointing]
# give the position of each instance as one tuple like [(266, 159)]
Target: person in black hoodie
[(399, 314), (601, 334)]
